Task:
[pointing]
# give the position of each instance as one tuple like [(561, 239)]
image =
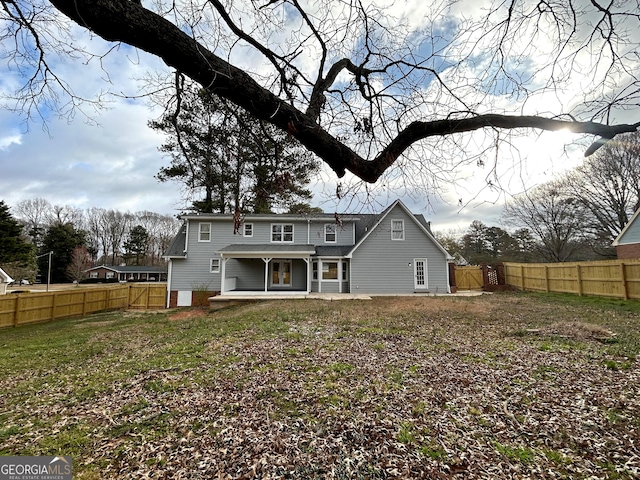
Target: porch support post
[(266, 273), (222, 274), (308, 262)]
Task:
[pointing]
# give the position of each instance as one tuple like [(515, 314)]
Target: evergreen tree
[(61, 239), (17, 255), (136, 245), (230, 162)]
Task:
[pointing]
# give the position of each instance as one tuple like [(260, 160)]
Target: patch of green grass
[(406, 433), (523, 455), (433, 451), (556, 457)]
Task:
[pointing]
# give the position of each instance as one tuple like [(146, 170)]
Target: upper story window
[(248, 230), (282, 232), (204, 232), (397, 229), (330, 233)]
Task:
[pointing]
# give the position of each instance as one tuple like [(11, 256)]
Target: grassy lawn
[(497, 386)]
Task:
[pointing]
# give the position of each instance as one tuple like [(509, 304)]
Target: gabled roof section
[(631, 221), (178, 245), (4, 277), (423, 225)]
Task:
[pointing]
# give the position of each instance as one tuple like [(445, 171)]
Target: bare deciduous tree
[(555, 220), (364, 86), (79, 264), (608, 185)]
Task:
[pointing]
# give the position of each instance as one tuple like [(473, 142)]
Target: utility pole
[(48, 269)]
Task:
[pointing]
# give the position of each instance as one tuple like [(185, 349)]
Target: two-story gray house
[(393, 252)]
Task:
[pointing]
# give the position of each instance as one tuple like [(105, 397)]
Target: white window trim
[(282, 233), (200, 224), (211, 268), (244, 230), (335, 233), (392, 230), (93, 274)]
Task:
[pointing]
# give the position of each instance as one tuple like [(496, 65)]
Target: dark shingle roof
[(178, 245)]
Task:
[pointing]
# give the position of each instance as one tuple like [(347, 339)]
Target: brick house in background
[(628, 242), (126, 273)]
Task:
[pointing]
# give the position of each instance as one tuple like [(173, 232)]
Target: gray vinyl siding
[(382, 265), (344, 233), (632, 235), (249, 273)]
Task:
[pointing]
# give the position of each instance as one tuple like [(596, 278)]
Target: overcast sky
[(113, 163)]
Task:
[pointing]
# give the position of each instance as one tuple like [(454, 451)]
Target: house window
[(282, 233), (315, 270), (330, 233), (330, 270), (214, 265), (204, 232), (344, 271), (397, 229), (93, 274), (248, 230), (110, 275)]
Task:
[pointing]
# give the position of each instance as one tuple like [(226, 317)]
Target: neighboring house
[(126, 273), (5, 280), (628, 242), (389, 253)]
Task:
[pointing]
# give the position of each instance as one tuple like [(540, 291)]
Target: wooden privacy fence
[(608, 278), (26, 308)]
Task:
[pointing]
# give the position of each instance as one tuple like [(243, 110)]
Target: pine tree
[(228, 161), (17, 255)]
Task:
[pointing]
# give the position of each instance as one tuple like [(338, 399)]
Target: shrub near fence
[(608, 278), (26, 308)]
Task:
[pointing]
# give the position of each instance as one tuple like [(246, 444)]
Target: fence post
[(579, 280), (84, 303), (522, 276), (16, 317), (53, 306), (546, 278), (623, 274)]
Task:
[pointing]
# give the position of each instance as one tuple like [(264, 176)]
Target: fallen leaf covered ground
[(497, 386)]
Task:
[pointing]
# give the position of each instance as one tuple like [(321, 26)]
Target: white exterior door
[(420, 273)]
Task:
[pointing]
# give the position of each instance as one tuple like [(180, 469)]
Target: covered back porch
[(253, 270)]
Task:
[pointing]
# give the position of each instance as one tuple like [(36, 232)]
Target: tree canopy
[(363, 85), (17, 255)]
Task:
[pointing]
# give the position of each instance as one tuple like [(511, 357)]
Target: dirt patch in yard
[(187, 313)]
